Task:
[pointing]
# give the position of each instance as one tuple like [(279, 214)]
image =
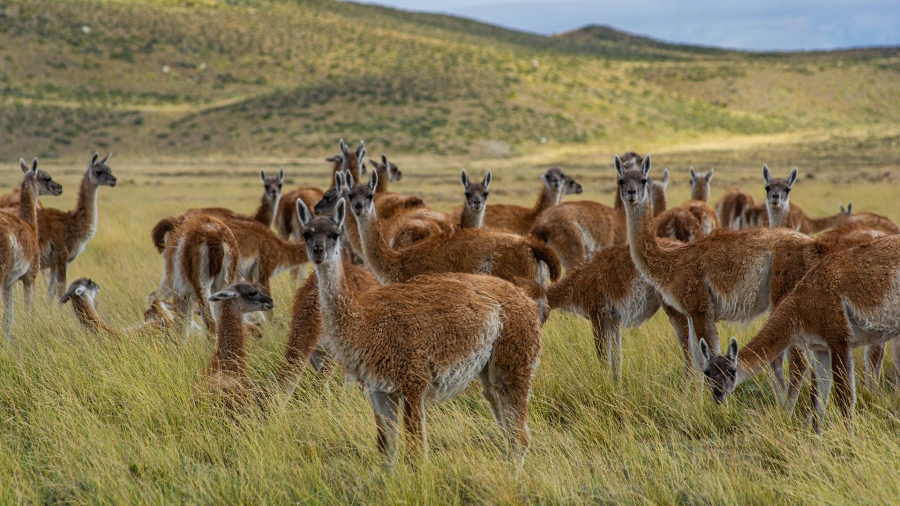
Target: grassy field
[(194, 97), (84, 420)]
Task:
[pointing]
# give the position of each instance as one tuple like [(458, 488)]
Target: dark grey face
[(721, 373), (361, 196), (341, 189), (633, 181), (476, 193), (100, 173), (272, 185), (572, 187), (82, 287), (250, 297), (46, 184), (778, 191), (322, 235), (388, 170), (554, 179)]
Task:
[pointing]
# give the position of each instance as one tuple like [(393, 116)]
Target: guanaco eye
[(335, 236), (254, 293), (767, 188), (621, 182), (643, 181), (788, 190), (468, 195), (305, 236), (486, 194)]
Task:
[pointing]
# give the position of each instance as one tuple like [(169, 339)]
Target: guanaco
[(65, 234), (426, 339)]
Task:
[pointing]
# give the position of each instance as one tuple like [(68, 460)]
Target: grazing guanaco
[(518, 219), (426, 339), (225, 378), (848, 299), (65, 234), (200, 257), (728, 275), (514, 258), (20, 240)]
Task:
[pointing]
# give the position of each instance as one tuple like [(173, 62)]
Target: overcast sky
[(738, 24)]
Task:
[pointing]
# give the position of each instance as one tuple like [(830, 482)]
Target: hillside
[(286, 78)]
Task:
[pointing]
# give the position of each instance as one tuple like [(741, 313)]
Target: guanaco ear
[(766, 176), (618, 164), (262, 175), (361, 150), (849, 208), (340, 212), (94, 159), (709, 175), (303, 213), (665, 177), (693, 176), (732, 348), (384, 161), (645, 168), (106, 158), (705, 354), (64, 299), (281, 174), (23, 165), (334, 158), (339, 180), (373, 180), (464, 178), (487, 180), (792, 177), (348, 178), (223, 295), (344, 149), (34, 166)]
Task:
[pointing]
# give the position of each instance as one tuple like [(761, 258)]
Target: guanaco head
[(272, 185), (778, 191), (554, 179), (250, 298), (571, 187), (700, 185), (343, 181), (81, 288), (476, 193), (351, 159), (387, 170), (362, 196), (99, 173), (633, 182), (322, 235), (45, 184), (720, 370)]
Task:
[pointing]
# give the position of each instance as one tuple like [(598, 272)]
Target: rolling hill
[(289, 77)]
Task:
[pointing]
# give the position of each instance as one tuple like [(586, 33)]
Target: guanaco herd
[(415, 304)]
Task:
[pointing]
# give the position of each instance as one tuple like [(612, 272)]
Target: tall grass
[(89, 420)]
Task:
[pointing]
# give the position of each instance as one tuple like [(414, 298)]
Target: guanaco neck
[(88, 316), (772, 339), (780, 217), (645, 249), (230, 354), (380, 257), (469, 218), (351, 230), (28, 196), (816, 225), (338, 308), (546, 199), (265, 213), (700, 192), (660, 203), (86, 211), (382, 185)]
